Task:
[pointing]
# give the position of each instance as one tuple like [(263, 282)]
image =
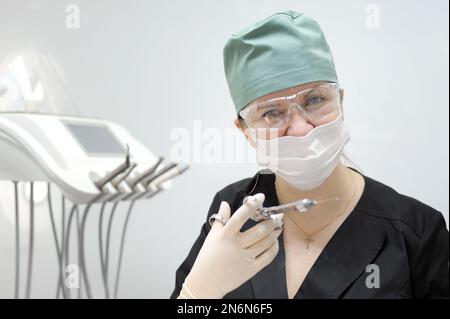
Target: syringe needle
[(327, 200)]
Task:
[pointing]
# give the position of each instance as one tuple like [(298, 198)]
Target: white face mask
[(307, 161)]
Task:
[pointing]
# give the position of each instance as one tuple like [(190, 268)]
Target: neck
[(337, 184), (341, 184)]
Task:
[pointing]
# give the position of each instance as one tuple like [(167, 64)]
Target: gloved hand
[(229, 257)]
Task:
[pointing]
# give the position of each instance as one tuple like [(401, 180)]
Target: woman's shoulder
[(382, 201)]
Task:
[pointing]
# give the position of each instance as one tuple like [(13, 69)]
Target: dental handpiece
[(116, 172), (156, 175), (142, 176), (119, 179), (302, 205)]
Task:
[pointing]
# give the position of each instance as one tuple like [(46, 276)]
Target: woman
[(361, 240)]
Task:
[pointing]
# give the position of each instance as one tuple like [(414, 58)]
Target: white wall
[(153, 66)]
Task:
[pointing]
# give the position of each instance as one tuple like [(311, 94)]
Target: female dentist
[(363, 239)]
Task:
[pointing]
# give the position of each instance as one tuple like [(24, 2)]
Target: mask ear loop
[(340, 101), (251, 132)]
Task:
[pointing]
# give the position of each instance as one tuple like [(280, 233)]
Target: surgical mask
[(307, 161)]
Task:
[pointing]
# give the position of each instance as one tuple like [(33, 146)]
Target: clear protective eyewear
[(318, 105)]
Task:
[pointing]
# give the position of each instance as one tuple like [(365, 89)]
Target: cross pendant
[(308, 241)]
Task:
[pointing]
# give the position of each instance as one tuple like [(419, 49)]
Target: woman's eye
[(272, 114), (314, 101)]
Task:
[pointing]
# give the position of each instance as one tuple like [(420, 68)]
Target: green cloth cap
[(281, 51)]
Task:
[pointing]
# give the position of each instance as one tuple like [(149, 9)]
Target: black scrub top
[(406, 239)]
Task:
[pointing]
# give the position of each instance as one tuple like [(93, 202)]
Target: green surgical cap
[(284, 50)]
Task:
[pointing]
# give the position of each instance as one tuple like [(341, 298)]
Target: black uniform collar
[(345, 257)]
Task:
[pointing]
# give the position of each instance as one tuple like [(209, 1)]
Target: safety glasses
[(317, 105)]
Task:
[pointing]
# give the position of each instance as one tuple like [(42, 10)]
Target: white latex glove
[(228, 257)]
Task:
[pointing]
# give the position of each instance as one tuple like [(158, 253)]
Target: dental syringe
[(302, 205)]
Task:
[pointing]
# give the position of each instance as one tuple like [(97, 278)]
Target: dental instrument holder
[(84, 159)]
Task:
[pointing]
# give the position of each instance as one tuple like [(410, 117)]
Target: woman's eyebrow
[(314, 90), (307, 91)]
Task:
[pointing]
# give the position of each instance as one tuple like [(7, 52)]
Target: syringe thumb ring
[(258, 215), (277, 219)]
